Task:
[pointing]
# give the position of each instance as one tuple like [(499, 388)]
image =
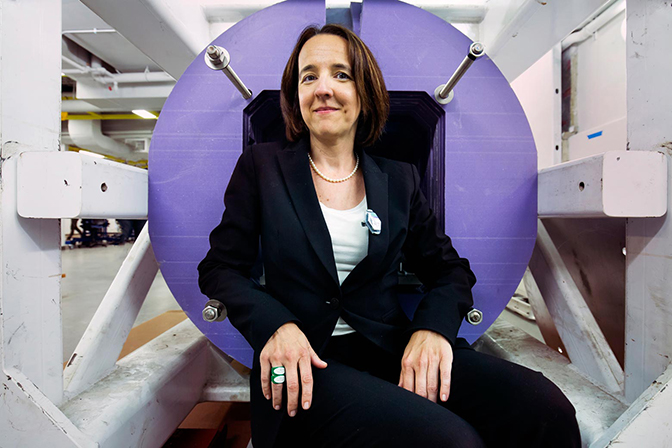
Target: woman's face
[(327, 95)]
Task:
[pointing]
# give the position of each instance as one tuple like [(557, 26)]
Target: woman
[(337, 362)]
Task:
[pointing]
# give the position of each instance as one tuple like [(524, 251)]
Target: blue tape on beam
[(597, 134)]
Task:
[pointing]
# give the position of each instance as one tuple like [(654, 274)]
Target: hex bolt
[(214, 311), (474, 317), (217, 58), (213, 52), (210, 313)]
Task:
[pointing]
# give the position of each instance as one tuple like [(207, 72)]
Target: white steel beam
[(226, 383), (169, 32), (75, 185), (542, 317), (648, 325), (517, 33), (585, 343), (100, 346), (150, 392), (28, 418), (647, 421), (612, 184), (31, 343), (30, 325)]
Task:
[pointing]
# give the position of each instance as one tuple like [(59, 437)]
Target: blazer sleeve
[(224, 274), (448, 278)]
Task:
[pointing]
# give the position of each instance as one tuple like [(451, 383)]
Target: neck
[(333, 156)]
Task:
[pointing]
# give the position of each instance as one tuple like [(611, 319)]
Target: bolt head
[(475, 316), (209, 313), (477, 48)]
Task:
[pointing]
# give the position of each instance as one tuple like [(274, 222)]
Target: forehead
[(324, 49)]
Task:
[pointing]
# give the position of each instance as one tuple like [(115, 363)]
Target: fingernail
[(277, 407), (443, 397), (268, 397), (292, 413), (306, 405)]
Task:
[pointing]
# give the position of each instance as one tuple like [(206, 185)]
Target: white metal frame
[(648, 326), (140, 399), (612, 184), (586, 345), (69, 184)]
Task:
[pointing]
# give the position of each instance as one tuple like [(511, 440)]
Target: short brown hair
[(369, 83)]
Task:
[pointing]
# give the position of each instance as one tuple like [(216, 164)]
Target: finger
[(292, 386), (433, 380), (446, 370), (421, 379), (316, 360), (265, 378), (401, 379), (408, 376), (306, 382), (276, 389)]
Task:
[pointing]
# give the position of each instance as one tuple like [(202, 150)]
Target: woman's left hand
[(426, 365)]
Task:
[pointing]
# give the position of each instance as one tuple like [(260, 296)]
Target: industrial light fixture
[(144, 114)]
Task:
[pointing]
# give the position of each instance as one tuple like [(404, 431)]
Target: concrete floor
[(88, 274)]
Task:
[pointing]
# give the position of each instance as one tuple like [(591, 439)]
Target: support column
[(30, 88), (648, 325)]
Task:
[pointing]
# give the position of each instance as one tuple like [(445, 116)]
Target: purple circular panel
[(490, 157)]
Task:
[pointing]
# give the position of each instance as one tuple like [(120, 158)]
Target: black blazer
[(271, 196)]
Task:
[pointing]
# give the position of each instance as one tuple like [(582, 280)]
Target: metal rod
[(217, 58), (444, 93)]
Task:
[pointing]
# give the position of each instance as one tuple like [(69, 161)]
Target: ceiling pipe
[(592, 27), (104, 76), (80, 106), (87, 134)]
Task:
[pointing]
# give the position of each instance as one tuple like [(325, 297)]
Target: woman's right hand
[(289, 347)]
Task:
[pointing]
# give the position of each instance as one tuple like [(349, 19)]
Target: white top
[(350, 243)]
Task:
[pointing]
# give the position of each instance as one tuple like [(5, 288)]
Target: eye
[(342, 75), (308, 78)]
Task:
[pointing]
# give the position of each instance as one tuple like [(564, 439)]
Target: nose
[(323, 87)]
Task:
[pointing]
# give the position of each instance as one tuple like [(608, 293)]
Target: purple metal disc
[(489, 169)]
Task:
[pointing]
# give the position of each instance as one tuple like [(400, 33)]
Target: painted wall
[(600, 92), (538, 90)]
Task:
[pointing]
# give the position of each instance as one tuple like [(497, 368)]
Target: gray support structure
[(648, 333), (30, 254)]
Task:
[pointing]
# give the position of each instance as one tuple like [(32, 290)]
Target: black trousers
[(492, 403)]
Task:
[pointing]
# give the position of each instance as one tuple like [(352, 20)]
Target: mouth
[(325, 110)]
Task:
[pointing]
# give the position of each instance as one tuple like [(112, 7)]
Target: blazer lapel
[(296, 171), (375, 182)]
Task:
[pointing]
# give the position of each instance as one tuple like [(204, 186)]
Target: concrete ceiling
[(112, 48), (116, 39)]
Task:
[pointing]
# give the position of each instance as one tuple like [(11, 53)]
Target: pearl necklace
[(329, 179)]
